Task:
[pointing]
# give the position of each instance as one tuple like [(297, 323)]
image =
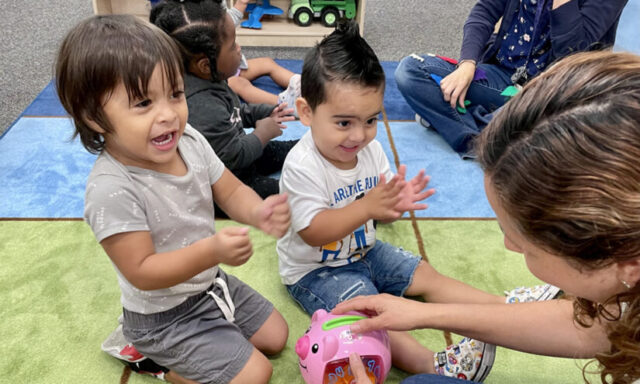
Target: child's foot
[(290, 94), (117, 346), (470, 359), (536, 293)]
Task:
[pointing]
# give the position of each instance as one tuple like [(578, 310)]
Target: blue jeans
[(423, 94), (433, 379), (385, 269)]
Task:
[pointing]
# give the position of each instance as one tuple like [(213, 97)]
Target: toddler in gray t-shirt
[(149, 202)]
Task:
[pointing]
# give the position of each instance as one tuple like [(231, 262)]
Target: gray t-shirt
[(176, 210)]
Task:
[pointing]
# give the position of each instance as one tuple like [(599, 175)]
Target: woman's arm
[(576, 28), (545, 328), (479, 27)]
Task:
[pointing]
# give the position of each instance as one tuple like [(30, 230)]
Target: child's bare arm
[(243, 204), (333, 224), (135, 256)]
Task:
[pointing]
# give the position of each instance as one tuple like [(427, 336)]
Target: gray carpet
[(32, 30)]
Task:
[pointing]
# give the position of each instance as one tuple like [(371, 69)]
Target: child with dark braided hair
[(205, 33)]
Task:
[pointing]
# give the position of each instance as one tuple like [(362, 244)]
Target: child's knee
[(272, 337), (278, 340), (257, 370), (281, 334)]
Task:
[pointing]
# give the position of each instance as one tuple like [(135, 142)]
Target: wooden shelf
[(282, 32), (276, 31)]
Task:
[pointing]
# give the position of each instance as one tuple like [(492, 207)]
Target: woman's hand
[(386, 312), (454, 87)]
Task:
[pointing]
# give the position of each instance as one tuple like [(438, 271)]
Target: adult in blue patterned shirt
[(532, 34)]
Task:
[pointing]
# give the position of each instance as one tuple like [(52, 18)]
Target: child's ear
[(304, 111), (200, 67), (93, 125)]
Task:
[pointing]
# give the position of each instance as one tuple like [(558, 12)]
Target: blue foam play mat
[(44, 170)]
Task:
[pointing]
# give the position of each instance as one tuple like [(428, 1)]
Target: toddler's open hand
[(270, 127), (413, 191), (381, 201), (232, 245), (281, 114), (273, 216), (267, 129)]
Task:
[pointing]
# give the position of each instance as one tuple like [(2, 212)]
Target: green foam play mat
[(60, 299)]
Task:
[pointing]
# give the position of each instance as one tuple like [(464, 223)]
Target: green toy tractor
[(329, 11)]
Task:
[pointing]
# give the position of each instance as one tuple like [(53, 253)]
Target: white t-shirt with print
[(314, 185)]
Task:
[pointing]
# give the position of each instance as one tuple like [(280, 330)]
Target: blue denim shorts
[(385, 269)]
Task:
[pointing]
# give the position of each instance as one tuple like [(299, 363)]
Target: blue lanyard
[(521, 72)]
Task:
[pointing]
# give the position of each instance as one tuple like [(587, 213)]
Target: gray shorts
[(194, 339)]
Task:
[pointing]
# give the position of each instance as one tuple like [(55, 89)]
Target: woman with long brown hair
[(562, 173)]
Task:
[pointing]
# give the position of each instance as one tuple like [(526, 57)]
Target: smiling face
[(146, 131), (596, 285), (345, 123)]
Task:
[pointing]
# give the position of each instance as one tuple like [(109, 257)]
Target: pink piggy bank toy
[(325, 348)]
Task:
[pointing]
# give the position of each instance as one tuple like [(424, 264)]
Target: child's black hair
[(343, 56), (197, 26), (101, 52)]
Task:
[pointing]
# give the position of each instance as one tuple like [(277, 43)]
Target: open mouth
[(165, 141)]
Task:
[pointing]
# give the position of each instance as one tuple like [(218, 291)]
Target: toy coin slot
[(341, 321)]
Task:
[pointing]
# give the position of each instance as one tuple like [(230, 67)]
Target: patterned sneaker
[(422, 121), (536, 293), (470, 359), (290, 94)]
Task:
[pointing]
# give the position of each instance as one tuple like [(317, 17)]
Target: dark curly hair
[(197, 26), (563, 156)]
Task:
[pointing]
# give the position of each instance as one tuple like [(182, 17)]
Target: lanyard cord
[(521, 71)]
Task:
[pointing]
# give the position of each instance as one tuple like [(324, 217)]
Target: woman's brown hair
[(564, 158)]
